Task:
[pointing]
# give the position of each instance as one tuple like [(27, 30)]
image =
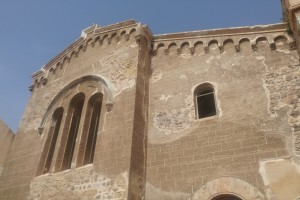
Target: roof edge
[(224, 31)]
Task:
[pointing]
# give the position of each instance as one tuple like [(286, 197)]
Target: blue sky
[(34, 31)]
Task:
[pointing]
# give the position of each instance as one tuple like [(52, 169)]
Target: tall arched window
[(74, 115), (91, 124), (48, 150), (204, 97)]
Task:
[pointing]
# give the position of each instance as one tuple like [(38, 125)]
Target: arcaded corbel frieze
[(254, 46), (166, 51), (154, 52), (293, 45), (178, 51), (273, 46), (53, 70), (31, 88), (237, 47), (109, 40), (206, 49), (192, 50), (221, 48), (127, 37), (44, 81)]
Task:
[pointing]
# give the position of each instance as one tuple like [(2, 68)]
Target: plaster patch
[(156, 76), (186, 56), (286, 51), (134, 45), (283, 185), (209, 59), (183, 76), (153, 193), (164, 98), (122, 71)]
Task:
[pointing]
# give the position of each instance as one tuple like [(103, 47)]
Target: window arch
[(91, 124), (71, 128), (226, 197), (204, 98), (49, 147)]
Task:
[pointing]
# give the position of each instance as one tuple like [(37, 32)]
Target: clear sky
[(34, 31)]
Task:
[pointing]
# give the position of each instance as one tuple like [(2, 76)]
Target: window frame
[(196, 93)]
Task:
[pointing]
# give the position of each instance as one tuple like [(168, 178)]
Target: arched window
[(204, 97), (91, 124), (48, 150), (74, 115), (226, 197)]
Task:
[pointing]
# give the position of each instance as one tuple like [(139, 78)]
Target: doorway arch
[(226, 197), (218, 188)]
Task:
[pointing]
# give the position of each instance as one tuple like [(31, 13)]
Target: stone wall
[(6, 140), (150, 143), (255, 83), (106, 62)]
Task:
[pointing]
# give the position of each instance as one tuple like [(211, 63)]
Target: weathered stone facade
[(147, 139)]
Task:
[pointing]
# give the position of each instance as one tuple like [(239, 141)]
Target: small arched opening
[(204, 97), (226, 197)]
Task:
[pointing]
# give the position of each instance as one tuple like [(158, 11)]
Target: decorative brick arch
[(228, 185), (101, 80)]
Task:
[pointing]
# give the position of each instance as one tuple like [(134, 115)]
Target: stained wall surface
[(255, 87), (150, 143), (108, 63)]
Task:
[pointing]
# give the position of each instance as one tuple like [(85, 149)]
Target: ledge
[(223, 32)]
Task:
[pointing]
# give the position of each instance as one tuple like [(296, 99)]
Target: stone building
[(125, 114)]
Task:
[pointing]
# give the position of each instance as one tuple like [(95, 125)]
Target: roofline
[(223, 32), (95, 30)]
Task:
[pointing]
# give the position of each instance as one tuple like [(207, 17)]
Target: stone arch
[(281, 42), (245, 44), (198, 47), (228, 45), (172, 48), (228, 40), (96, 40), (105, 39), (244, 39), (89, 41), (214, 46), (123, 33), (228, 186), (262, 42), (114, 38), (103, 81), (226, 197), (159, 47), (185, 48), (278, 37), (132, 33), (65, 59)]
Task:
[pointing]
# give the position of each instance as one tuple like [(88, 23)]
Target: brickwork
[(185, 153), (150, 141)]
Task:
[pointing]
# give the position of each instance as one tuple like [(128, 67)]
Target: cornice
[(223, 32)]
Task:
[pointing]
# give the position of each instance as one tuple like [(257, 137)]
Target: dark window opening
[(50, 143), (57, 122), (226, 197), (69, 151), (205, 101), (93, 129)]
